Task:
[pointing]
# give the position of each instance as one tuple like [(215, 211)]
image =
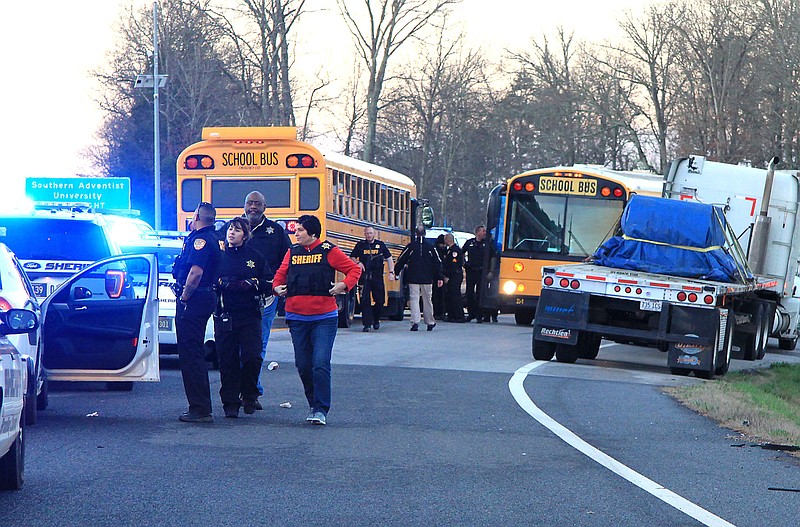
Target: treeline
[(714, 77)]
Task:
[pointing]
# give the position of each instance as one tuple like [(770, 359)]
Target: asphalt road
[(424, 430)]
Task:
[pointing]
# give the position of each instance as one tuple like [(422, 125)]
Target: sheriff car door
[(102, 323)]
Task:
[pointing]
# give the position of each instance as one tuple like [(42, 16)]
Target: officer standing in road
[(370, 254), (195, 272), (244, 276), (439, 293), (474, 250), (453, 266), (271, 240)]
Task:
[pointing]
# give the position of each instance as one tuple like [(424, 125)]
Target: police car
[(13, 380), (167, 248)]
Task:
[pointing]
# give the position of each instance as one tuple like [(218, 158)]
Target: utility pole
[(154, 81)]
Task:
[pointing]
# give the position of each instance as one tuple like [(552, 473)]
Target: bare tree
[(387, 25)]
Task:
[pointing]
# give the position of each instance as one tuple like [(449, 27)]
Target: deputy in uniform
[(307, 277), (195, 272), (453, 267), (370, 254), (474, 250), (244, 277)]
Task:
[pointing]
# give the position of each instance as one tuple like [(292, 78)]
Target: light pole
[(149, 81)]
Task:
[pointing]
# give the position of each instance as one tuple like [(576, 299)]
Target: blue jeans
[(266, 326), (313, 342)]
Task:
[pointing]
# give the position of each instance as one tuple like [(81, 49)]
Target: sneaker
[(249, 407), (365, 330), (231, 412), (431, 326), (318, 418), (376, 325), (187, 417), (311, 414), (414, 327)]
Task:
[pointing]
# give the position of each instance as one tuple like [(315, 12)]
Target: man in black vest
[(474, 250), (370, 254), (195, 272)]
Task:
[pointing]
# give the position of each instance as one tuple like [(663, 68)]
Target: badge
[(221, 245), (270, 230), (251, 264), (199, 244), (326, 245)]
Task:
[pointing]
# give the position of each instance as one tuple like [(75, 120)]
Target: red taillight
[(617, 289), (548, 280), (692, 297), (638, 290), (115, 282), (574, 284), (681, 296), (199, 161), (191, 162), (708, 299), (4, 305), (564, 282), (627, 289), (517, 185), (617, 192), (299, 160)]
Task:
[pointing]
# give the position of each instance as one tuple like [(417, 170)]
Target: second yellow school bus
[(344, 193)]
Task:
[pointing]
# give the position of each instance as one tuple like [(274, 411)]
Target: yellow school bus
[(344, 193), (550, 216)]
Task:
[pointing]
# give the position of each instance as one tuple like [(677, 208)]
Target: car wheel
[(12, 465), (210, 352), (42, 399)]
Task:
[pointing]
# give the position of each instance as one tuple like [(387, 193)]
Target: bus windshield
[(565, 225)]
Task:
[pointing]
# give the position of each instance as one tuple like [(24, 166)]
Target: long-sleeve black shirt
[(236, 265), (422, 264)]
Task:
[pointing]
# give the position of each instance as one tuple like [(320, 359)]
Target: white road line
[(517, 389)]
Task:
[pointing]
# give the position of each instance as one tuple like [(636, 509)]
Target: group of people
[(234, 274), (235, 278)]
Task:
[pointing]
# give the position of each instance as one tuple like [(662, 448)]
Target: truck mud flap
[(560, 315), (699, 327)]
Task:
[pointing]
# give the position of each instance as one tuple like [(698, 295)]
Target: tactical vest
[(309, 272)]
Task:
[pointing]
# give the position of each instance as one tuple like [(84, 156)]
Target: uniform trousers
[(190, 329), (239, 352), (473, 283), (453, 302), (372, 291), (415, 291)]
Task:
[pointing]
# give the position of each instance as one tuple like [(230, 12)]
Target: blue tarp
[(670, 237)]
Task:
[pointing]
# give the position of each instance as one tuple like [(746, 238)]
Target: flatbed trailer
[(700, 324)]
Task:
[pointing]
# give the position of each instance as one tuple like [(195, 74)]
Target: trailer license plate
[(165, 323), (650, 305)]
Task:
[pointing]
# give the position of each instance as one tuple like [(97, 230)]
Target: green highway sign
[(101, 193)]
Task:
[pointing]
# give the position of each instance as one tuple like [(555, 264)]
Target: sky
[(50, 48)]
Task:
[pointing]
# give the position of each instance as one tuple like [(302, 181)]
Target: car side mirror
[(18, 321), (81, 293)]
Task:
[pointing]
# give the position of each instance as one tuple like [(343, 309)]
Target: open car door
[(102, 323)]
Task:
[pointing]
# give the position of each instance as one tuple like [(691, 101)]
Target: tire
[(124, 386), (210, 353), (681, 372), (787, 344), (347, 309), (566, 353), (12, 465), (524, 317), (543, 350), (588, 346), (42, 400), (724, 360), (754, 340)]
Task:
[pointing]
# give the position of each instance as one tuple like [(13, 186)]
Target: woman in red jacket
[(307, 278)]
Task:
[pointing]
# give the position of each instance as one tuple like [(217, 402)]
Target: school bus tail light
[(518, 267), (617, 192), (605, 192), (300, 161), (198, 162), (509, 287)]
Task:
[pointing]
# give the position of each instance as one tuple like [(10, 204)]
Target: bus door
[(490, 275)]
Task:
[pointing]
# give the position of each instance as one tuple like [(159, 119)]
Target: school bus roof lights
[(528, 186), (198, 162), (606, 192), (300, 161)]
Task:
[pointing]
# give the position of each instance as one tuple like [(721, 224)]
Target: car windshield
[(166, 255), (54, 239)]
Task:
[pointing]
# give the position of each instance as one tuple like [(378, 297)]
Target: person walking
[(474, 250), (271, 240), (421, 267), (306, 277), (244, 276), (370, 254), (453, 267), (195, 272)]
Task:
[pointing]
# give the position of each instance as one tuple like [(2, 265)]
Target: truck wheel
[(543, 350), (524, 317), (566, 353), (787, 344), (588, 345), (681, 372), (12, 465), (724, 359)]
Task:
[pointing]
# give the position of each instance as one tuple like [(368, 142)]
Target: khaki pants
[(426, 291)]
